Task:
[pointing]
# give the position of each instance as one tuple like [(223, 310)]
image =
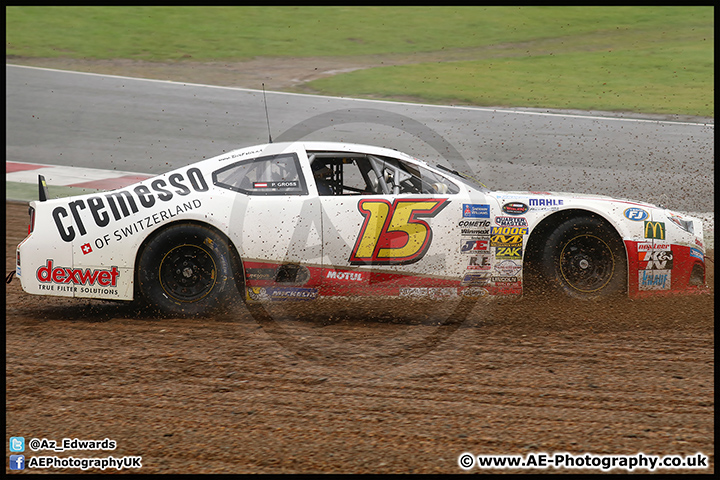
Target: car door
[(396, 228)]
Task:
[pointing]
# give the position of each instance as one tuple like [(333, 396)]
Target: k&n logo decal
[(394, 234), (662, 260)]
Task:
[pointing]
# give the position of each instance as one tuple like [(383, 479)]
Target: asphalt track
[(148, 126)]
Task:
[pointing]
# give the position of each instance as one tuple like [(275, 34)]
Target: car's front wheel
[(187, 270), (584, 258)]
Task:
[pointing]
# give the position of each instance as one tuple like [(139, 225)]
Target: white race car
[(303, 220)]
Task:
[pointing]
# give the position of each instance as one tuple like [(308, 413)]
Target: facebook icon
[(17, 462)]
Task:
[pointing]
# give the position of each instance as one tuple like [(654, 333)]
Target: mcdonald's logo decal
[(655, 230)]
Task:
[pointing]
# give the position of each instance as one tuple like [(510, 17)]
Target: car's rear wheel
[(584, 258), (187, 270)]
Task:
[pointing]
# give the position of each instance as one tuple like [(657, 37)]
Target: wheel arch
[(235, 261), (533, 250)]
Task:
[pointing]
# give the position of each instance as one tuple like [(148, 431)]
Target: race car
[(306, 220)]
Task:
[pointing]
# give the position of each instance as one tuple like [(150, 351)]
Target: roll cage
[(347, 173)]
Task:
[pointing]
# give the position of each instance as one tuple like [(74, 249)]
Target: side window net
[(273, 175)]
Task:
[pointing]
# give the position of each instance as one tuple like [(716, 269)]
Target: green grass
[(644, 59), (615, 81)]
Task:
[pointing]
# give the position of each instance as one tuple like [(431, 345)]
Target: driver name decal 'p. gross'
[(392, 233)]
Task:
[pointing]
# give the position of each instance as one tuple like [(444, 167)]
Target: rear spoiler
[(42, 188)]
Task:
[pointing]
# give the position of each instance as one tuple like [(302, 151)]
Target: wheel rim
[(587, 263), (188, 273)]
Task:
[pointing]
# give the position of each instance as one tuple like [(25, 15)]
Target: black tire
[(187, 270), (584, 258)]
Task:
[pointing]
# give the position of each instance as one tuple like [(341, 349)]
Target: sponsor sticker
[(261, 294), (515, 208), (508, 253), (545, 202), (474, 232), (636, 214), (474, 223), (509, 231), (505, 279), (472, 210), (474, 228), (654, 260), (476, 279), (260, 273), (511, 221), (649, 246), (475, 245), (506, 241), (654, 279), (288, 184), (430, 292), (473, 292), (694, 252), (508, 268), (479, 262), (655, 230), (345, 276), (77, 276), (106, 207)]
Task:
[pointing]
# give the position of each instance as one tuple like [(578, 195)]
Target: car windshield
[(464, 178)]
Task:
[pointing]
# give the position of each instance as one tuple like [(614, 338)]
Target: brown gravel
[(351, 387)]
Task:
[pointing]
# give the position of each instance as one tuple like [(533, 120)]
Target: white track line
[(460, 107)]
